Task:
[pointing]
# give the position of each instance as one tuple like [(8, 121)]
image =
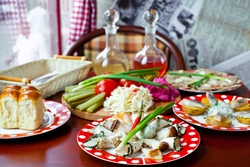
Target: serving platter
[(216, 88), (200, 119), (214, 91), (55, 116), (190, 142), (101, 113)]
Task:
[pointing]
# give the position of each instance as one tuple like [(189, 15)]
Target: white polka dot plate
[(200, 120), (189, 141), (55, 116)]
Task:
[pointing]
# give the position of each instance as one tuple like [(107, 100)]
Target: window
[(32, 29)]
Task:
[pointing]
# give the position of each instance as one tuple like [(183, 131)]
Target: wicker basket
[(70, 72)]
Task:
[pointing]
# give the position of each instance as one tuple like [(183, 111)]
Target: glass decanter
[(111, 59), (150, 56)]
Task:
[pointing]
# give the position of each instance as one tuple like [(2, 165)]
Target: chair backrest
[(130, 39)]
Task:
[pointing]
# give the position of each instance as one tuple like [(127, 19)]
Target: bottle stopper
[(151, 16), (111, 16)]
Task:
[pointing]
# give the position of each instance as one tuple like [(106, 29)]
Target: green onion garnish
[(128, 75), (159, 110)]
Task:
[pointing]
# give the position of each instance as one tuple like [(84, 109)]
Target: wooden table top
[(59, 147)]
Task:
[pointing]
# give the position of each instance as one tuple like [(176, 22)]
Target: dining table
[(59, 147)]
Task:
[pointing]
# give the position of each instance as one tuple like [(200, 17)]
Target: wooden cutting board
[(100, 113)]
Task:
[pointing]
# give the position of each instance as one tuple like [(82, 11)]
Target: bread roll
[(28, 88), (8, 108), (8, 87), (31, 109), (21, 108)]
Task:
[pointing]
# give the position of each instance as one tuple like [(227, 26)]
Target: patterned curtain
[(83, 19)]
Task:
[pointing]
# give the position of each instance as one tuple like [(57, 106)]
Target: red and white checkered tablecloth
[(13, 14), (83, 19)]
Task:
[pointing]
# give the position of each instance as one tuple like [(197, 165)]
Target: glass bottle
[(150, 56), (111, 59)]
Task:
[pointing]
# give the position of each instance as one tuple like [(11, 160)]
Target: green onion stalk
[(199, 82), (128, 75), (159, 110)]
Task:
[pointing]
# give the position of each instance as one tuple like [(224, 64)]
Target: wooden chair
[(130, 39)]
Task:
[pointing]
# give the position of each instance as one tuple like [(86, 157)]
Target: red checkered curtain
[(13, 14), (83, 19)]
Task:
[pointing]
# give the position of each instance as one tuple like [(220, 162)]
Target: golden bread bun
[(28, 88), (10, 93), (32, 110), (21, 108), (224, 122), (9, 108), (11, 87), (31, 95), (193, 110)]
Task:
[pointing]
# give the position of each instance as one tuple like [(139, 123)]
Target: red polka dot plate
[(201, 119), (55, 116), (189, 141)]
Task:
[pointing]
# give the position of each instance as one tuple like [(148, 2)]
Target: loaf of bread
[(21, 108)]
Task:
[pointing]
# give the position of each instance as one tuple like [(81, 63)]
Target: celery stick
[(90, 102), (76, 103), (80, 91), (83, 88), (93, 107), (69, 88), (66, 96), (90, 83), (81, 96)]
